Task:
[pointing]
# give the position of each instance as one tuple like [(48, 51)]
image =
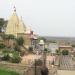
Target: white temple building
[(17, 28)]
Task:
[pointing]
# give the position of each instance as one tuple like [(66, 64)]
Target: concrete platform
[(65, 72)]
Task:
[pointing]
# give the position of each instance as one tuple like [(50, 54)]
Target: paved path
[(65, 72), (29, 59), (52, 69)]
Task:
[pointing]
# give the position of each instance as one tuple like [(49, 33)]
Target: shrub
[(20, 41), (16, 58), (5, 51), (58, 52), (6, 57), (30, 49), (46, 50), (65, 52), (2, 46)]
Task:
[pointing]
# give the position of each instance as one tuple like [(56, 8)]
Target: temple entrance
[(65, 50), (66, 62)]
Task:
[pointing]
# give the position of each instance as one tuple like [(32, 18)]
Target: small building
[(66, 47), (41, 45), (53, 47), (16, 27)]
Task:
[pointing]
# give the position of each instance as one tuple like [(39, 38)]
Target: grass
[(6, 72)]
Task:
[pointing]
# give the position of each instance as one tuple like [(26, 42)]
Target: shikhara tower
[(17, 28), (15, 25)]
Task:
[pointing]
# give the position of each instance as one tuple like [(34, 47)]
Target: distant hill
[(66, 39), (59, 38)]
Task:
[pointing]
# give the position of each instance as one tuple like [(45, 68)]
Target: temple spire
[(15, 25), (14, 9)]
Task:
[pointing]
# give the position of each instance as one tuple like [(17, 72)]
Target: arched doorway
[(65, 52)]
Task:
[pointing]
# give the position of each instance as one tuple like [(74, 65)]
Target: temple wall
[(27, 41)]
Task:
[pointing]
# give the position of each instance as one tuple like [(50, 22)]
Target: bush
[(5, 51), (57, 52), (30, 49), (46, 50), (65, 52), (2, 46), (16, 58), (20, 41), (6, 57)]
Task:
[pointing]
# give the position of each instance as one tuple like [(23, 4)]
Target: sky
[(46, 17)]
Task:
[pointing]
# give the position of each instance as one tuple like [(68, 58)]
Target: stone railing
[(21, 68)]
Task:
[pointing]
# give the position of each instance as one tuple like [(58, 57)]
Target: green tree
[(58, 52), (65, 52), (16, 57), (20, 41), (6, 56), (45, 49), (42, 38), (2, 46), (2, 22)]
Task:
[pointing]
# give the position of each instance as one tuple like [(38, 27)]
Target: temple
[(17, 28)]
